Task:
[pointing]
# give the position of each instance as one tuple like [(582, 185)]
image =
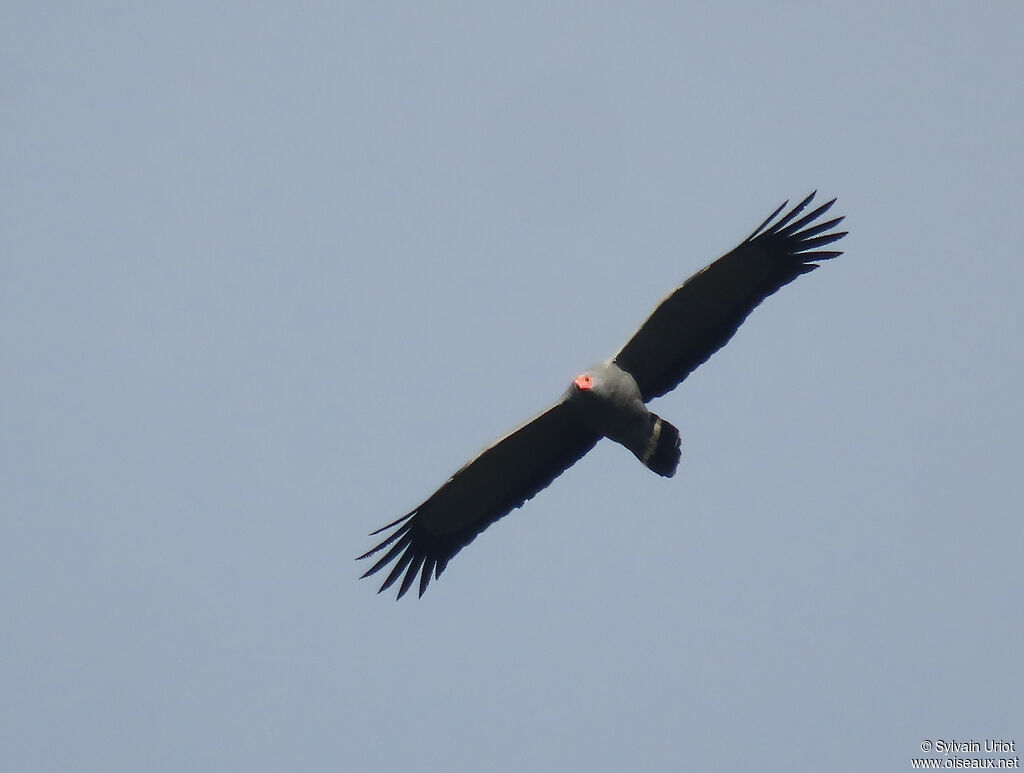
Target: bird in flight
[(609, 399)]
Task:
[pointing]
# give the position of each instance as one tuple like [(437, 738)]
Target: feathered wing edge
[(403, 532), (799, 242), (536, 453)]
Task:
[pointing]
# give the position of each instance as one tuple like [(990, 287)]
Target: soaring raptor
[(609, 399)]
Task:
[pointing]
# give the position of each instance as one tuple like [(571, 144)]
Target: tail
[(662, 454)]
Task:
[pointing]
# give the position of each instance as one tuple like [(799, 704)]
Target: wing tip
[(408, 555), (798, 238)]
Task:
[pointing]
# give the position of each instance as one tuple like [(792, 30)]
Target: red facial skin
[(584, 382)]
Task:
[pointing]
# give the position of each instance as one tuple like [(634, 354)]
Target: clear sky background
[(271, 272)]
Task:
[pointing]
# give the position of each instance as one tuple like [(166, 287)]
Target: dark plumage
[(700, 316), (609, 399)]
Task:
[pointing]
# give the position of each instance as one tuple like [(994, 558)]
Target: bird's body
[(609, 399)]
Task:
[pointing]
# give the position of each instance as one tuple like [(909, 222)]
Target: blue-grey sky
[(271, 272)]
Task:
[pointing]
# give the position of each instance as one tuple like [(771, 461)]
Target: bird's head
[(583, 382)]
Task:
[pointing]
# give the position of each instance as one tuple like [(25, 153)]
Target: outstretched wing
[(505, 474), (699, 317)]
